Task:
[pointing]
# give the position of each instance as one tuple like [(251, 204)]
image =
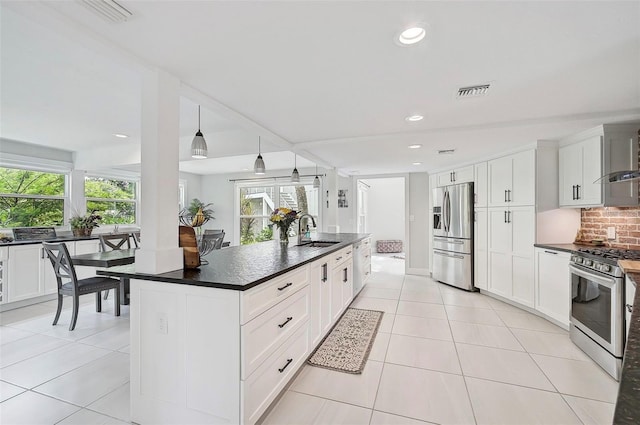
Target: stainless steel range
[(597, 316)]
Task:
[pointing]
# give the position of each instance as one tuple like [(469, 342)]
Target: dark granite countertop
[(567, 247), (243, 267), (628, 403)]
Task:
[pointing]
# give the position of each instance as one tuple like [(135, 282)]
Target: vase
[(284, 236), (82, 231)]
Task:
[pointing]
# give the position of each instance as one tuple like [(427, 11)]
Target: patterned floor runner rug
[(346, 348)]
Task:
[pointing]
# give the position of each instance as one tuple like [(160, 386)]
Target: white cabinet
[(480, 254), (4, 256), (480, 184), (580, 165), (341, 286), (629, 297), (587, 156), (24, 270), (320, 296), (459, 175), (511, 235), (512, 180), (553, 284)]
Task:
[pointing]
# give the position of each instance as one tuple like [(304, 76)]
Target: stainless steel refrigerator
[(453, 235)]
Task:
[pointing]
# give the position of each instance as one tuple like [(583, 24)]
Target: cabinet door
[(522, 222), (523, 179), (325, 298), (480, 184), (499, 175), (336, 293), (315, 300), (347, 283), (570, 173), (590, 193), (553, 284), (480, 258), (499, 252), (24, 272), (463, 175), (445, 179)]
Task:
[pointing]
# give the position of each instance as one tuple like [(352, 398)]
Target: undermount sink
[(318, 244)]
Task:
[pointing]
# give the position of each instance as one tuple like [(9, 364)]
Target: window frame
[(276, 184), (41, 166), (114, 176)]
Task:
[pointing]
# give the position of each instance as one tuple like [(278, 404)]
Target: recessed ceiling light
[(415, 146), (412, 35), (413, 118), (416, 163), (120, 136)]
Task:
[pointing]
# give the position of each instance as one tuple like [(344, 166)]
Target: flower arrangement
[(83, 225), (283, 217)]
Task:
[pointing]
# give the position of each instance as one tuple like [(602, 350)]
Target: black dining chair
[(113, 242), (217, 235), (70, 285)]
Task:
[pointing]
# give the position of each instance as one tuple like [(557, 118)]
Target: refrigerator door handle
[(448, 240), (444, 211), (449, 255), (447, 200)]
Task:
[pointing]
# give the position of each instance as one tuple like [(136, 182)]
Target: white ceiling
[(324, 79)]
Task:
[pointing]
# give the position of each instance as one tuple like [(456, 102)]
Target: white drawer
[(264, 296), (367, 243), (4, 253), (264, 334), (264, 385), (341, 256)]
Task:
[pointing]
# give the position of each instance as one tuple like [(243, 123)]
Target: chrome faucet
[(300, 238)]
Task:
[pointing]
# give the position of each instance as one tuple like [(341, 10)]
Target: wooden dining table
[(119, 257)]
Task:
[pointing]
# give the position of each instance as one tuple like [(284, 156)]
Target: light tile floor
[(442, 356)]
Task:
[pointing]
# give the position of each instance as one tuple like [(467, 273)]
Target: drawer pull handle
[(366, 256), (629, 308), (551, 252), (339, 258), (285, 286), (345, 279), (282, 325), (348, 252), (285, 366)]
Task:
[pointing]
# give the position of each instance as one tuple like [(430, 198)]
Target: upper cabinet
[(480, 184), (460, 175), (512, 180), (587, 156)]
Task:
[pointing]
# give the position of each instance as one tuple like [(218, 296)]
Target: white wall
[(386, 209), (346, 216), (194, 188), (418, 258)]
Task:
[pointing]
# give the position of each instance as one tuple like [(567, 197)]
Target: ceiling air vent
[(472, 91), (108, 9), (446, 151)]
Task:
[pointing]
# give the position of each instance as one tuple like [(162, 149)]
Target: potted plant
[(197, 214), (84, 225)]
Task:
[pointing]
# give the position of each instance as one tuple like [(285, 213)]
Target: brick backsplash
[(594, 223)]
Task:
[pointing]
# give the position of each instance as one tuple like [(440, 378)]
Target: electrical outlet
[(611, 232), (163, 323)]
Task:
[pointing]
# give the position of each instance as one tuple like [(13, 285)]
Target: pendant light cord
[(198, 117)]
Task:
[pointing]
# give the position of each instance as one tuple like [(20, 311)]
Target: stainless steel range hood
[(619, 176)]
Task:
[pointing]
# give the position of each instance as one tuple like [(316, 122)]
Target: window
[(114, 199), (257, 202), (31, 198)]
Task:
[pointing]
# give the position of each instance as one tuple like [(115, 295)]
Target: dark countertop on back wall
[(242, 267), (628, 403), (58, 239)]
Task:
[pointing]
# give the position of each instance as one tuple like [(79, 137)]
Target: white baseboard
[(29, 301), (417, 271)]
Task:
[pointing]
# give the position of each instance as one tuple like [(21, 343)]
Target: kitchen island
[(217, 344)]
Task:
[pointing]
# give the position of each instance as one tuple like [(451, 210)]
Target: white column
[(159, 251)]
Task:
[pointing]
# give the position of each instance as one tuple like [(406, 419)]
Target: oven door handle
[(608, 282)]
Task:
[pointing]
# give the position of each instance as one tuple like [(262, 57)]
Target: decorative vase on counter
[(82, 231), (284, 236)]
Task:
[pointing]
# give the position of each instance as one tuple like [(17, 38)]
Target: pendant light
[(316, 181), (295, 176), (198, 145), (258, 166)]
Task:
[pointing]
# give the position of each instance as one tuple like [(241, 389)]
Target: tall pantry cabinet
[(518, 187)]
